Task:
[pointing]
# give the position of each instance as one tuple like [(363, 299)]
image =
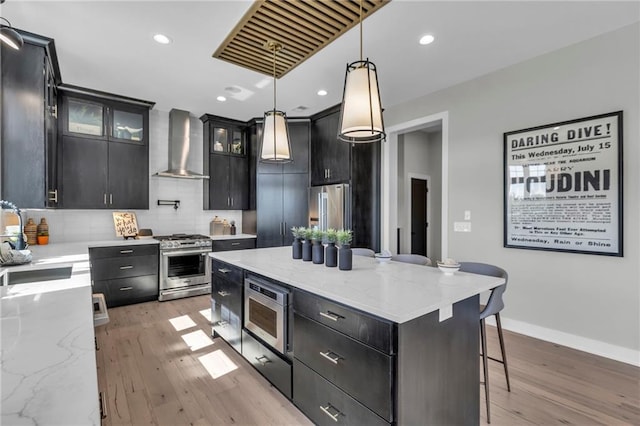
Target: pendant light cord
[(361, 30), (274, 76)]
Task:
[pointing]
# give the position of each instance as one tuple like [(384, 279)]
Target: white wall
[(87, 225), (586, 301)]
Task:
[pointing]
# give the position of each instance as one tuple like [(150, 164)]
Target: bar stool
[(416, 259), (493, 307), (363, 252)]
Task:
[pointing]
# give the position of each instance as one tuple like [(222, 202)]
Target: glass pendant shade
[(275, 138), (10, 37), (361, 113)]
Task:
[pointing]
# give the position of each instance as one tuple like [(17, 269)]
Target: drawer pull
[(330, 315), (263, 360), (328, 413), (235, 244), (224, 293), (224, 270), (126, 288), (222, 323), (331, 356), (126, 251), (127, 267)]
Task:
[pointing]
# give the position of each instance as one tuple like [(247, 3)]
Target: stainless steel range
[(185, 269)]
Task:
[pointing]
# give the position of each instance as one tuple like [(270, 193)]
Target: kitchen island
[(383, 343)]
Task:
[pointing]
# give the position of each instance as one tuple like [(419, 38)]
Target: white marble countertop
[(231, 237), (48, 359), (395, 291)]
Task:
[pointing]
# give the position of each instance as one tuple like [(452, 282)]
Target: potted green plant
[(345, 257), (331, 252), (317, 251), (296, 247), (306, 245)]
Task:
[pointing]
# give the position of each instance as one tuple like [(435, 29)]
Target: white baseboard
[(607, 350)]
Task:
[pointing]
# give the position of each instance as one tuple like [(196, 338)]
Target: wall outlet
[(461, 226), (467, 215)]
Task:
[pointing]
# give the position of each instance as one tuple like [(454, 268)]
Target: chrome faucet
[(20, 244)]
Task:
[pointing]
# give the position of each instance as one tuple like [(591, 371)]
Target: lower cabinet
[(125, 274), (234, 244), (226, 302), (275, 369)]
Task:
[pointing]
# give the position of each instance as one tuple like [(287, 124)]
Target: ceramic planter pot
[(296, 248), (306, 250), (318, 252), (345, 257), (331, 255)]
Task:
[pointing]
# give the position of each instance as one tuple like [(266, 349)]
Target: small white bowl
[(382, 258), (448, 268)]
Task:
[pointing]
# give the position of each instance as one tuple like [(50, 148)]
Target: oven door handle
[(184, 252)]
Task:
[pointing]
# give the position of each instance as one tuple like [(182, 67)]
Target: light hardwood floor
[(151, 376)]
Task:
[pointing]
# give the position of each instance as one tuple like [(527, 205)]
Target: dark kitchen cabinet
[(226, 302), (226, 164), (104, 151), (299, 137), (282, 202), (28, 83), (125, 274), (330, 157)]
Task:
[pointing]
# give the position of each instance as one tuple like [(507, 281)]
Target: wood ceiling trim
[(303, 27)]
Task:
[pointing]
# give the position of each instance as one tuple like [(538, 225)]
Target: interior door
[(419, 216)]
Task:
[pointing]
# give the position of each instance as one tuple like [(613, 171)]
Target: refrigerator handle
[(322, 210)]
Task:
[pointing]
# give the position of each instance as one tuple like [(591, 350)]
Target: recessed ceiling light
[(322, 92), (232, 89), (221, 98), (162, 39), (427, 39)]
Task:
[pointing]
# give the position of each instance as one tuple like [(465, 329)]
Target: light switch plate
[(446, 312)]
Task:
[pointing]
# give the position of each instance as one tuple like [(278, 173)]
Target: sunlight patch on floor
[(197, 340), (206, 313), (182, 323), (217, 363)]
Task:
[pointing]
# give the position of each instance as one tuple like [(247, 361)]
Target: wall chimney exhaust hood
[(179, 144)]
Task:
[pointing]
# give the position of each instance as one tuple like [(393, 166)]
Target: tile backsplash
[(87, 225)]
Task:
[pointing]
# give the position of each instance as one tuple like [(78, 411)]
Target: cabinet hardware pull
[(235, 244), (110, 199), (232, 201), (127, 267), (126, 288), (330, 315), (224, 270), (103, 406), (224, 293), (328, 413), (263, 360), (126, 251), (53, 195), (105, 199), (228, 201), (328, 355)]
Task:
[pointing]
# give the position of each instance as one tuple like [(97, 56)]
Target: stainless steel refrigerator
[(330, 206)]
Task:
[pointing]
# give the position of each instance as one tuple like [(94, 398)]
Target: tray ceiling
[(303, 27)]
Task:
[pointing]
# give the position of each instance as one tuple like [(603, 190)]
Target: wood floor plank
[(153, 377)]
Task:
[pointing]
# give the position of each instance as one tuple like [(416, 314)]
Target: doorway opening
[(419, 219)]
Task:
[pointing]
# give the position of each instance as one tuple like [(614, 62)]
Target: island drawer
[(274, 368), (123, 251), (370, 330), (226, 271), (123, 267), (346, 363), (125, 291), (325, 404), (235, 244)]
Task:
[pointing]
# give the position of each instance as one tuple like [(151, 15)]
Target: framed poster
[(125, 224), (563, 186)]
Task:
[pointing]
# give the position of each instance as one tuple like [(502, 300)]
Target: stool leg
[(504, 354), (483, 337)]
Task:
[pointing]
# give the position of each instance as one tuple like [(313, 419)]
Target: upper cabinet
[(28, 81), (226, 163), (330, 157), (103, 151)]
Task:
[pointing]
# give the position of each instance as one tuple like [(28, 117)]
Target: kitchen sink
[(35, 275)]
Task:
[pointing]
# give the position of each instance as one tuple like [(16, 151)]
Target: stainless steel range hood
[(179, 145)]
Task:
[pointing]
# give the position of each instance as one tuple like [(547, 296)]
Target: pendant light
[(361, 111), (9, 36), (275, 133)]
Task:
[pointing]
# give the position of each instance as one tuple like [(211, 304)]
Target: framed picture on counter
[(563, 186)]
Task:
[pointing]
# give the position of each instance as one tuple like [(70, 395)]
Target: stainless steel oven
[(266, 312), (185, 267)]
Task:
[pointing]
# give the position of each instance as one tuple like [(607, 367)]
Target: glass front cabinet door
[(127, 125), (85, 118)]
